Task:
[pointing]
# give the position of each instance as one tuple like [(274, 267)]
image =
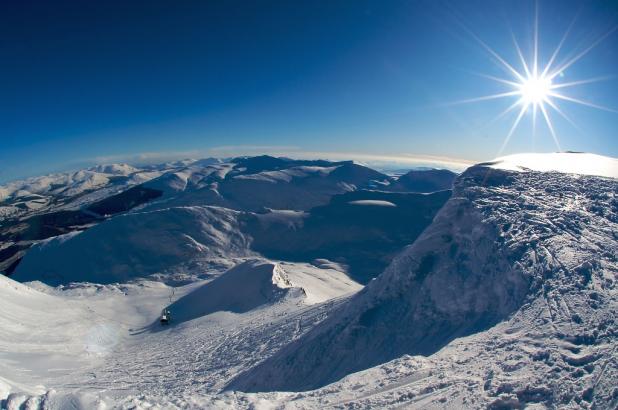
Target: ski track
[(198, 356)]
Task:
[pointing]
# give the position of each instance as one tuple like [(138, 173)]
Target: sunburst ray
[(523, 110), (534, 86), (563, 115), (551, 127), (580, 82), (484, 98), (575, 59), (581, 102), (559, 47)]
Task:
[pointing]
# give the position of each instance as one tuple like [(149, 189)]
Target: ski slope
[(103, 343)]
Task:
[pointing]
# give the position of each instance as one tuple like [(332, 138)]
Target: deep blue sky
[(84, 82)]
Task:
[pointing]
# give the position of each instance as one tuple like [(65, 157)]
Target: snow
[(170, 182), (205, 162), (69, 184), (523, 264), (51, 334), (370, 202), (312, 280), (115, 169), (135, 245), (31, 342), (245, 287), (288, 174), (70, 190), (507, 300), (566, 162), (111, 350)]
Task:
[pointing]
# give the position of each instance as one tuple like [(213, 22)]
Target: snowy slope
[(68, 183), (535, 252), (430, 180), (253, 184), (115, 169), (135, 245), (197, 356), (362, 229), (255, 283), (507, 300), (51, 335), (244, 287), (44, 336), (351, 230)]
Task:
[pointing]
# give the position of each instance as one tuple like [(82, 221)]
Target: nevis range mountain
[(312, 284)]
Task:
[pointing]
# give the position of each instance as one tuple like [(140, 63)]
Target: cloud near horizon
[(379, 160)]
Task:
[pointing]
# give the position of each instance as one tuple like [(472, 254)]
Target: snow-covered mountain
[(70, 183), (500, 294), (42, 207), (361, 229), (532, 251), (258, 183), (166, 224), (427, 180), (135, 245)]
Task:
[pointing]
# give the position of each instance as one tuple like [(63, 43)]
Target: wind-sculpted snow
[(533, 252), (244, 287)]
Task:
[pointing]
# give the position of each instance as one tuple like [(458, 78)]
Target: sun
[(535, 89)]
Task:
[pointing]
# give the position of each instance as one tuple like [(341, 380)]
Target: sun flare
[(536, 89)]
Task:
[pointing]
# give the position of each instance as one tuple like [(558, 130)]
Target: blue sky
[(86, 82)]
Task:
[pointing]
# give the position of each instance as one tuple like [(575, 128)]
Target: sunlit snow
[(566, 162)]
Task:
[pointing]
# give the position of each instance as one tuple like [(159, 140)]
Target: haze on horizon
[(127, 82)]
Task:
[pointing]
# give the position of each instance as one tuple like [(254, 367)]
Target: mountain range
[(312, 284)]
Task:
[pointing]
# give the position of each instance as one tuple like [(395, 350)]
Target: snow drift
[(244, 287)]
